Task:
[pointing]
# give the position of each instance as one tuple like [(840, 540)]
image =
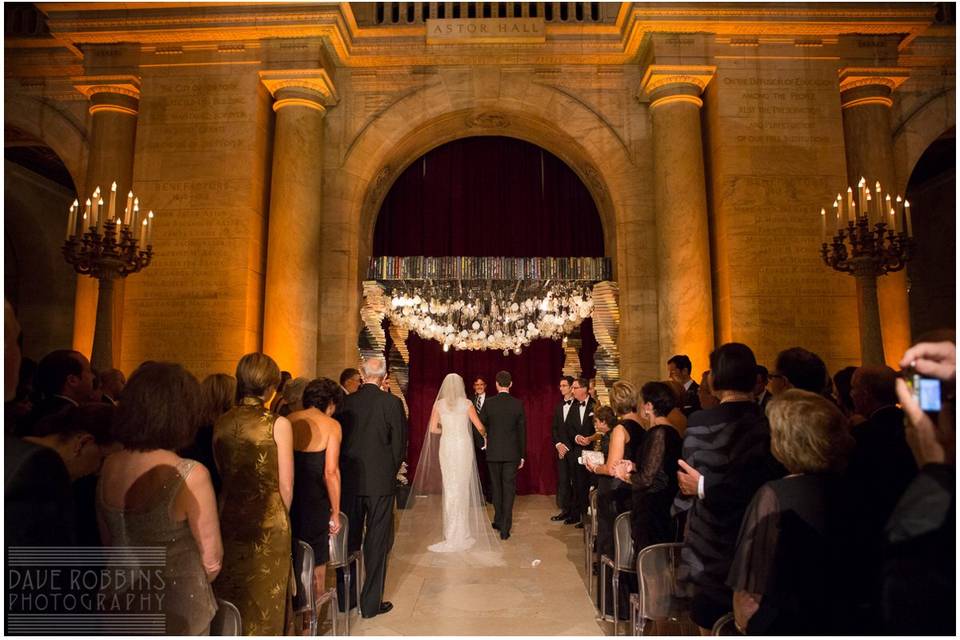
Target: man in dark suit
[(374, 445), (579, 422), (478, 399), (64, 379), (563, 443), (506, 424), (679, 368), (879, 470), (760, 393)]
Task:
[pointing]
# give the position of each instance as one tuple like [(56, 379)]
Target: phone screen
[(927, 392)]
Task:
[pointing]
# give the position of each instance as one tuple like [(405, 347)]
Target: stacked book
[(385, 268)]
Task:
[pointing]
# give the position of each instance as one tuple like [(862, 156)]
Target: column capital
[(870, 85), (663, 83), (310, 88), (117, 93)]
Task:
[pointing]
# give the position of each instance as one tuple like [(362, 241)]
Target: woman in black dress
[(315, 510), (790, 568), (613, 495)]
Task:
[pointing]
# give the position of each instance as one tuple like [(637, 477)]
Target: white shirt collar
[(686, 385)]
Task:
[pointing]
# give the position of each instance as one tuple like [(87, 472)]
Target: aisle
[(547, 599)]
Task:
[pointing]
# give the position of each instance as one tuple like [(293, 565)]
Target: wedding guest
[(797, 368), (112, 382), (96, 419), (789, 564), (708, 399), (841, 383), (217, 396), (676, 417), (148, 496), (274, 407), (254, 452), (760, 393), (726, 458), (580, 421), (64, 378), (613, 495), (562, 438), (315, 512), (679, 368), (350, 380), (652, 471), (592, 390), (919, 559), (292, 399)]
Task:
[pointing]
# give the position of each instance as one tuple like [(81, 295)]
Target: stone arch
[(476, 101), (919, 130), (54, 128)]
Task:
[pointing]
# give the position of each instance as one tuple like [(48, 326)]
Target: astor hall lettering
[(489, 30)]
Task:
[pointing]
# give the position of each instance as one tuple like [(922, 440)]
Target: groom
[(505, 421)]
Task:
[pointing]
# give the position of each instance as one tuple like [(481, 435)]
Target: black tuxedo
[(691, 399), (561, 435), (575, 425), (506, 424), (374, 444)]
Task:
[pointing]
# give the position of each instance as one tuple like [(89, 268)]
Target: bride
[(448, 466)]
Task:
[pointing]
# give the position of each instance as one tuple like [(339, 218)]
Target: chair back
[(338, 543), (303, 565), (227, 620), (663, 597), (623, 542), (594, 517), (725, 626)]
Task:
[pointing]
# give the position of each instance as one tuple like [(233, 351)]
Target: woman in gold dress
[(253, 449)]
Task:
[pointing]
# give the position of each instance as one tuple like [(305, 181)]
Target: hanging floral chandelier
[(492, 315)]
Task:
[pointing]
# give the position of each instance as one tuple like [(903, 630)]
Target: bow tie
[(567, 402), (583, 404)]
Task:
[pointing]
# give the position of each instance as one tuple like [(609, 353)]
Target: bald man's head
[(873, 387)]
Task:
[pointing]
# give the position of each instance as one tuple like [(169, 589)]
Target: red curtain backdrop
[(492, 196)]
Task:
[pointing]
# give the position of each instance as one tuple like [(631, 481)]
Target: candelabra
[(872, 237), (105, 246)]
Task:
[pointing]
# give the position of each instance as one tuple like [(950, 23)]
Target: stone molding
[(313, 88), (663, 83), (861, 86), (119, 93)]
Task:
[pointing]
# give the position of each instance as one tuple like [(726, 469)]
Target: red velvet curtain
[(492, 196)]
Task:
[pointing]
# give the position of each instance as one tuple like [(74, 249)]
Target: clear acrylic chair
[(663, 600), (589, 540), (725, 626), (227, 620), (622, 562), (305, 601), (341, 559)]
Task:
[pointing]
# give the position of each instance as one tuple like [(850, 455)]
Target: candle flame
[(150, 215), (823, 212), (899, 199), (144, 223), (862, 182), (835, 205), (130, 195), (100, 202), (88, 202), (84, 216), (113, 187), (849, 189), (76, 203), (906, 203), (888, 197)]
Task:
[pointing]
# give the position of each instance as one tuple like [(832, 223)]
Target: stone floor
[(526, 597)]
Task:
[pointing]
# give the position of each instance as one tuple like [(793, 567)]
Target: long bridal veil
[(445, 521)]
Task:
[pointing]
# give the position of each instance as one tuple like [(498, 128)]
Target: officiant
[(479, 398)]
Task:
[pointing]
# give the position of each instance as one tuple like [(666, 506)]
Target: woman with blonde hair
[(789, 563), (253, 449)]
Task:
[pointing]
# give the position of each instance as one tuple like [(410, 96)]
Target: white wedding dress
[(458, 467), (445, 520)]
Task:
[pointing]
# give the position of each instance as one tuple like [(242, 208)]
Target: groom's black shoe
[(495, 526), (572, 519), (384, 608), (504, 535), (563, 515)]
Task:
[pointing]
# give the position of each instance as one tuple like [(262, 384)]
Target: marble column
[(114, 106), (684, 293), (292, 288), (865, 96)]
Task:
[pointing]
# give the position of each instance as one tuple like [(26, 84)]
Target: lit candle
[(112, 211), (823, 226), (128, 211), (867, 209), (850, 204), (903, 228), (86, 212), (861, 196), (893, 217), (906, 214), (150, 228), (880, 208), (143, 235), (94, 218), (101, 219), (836, 216), (72, 220)]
